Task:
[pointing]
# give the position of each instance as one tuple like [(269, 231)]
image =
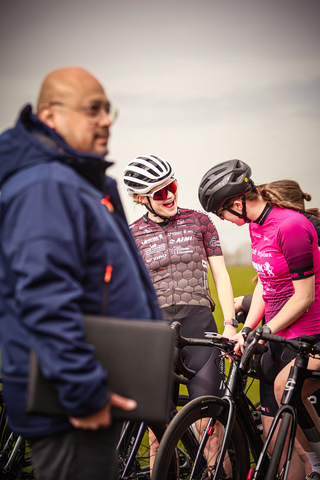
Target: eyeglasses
[(162, 193), (94, 111)]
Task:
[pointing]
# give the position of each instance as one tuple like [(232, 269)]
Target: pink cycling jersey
[(176, 256), (285, 250)]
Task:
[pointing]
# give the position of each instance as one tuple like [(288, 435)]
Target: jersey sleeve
[(295, 240), (210, 234)]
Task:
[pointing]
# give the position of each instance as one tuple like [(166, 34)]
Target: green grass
[(241, 277)]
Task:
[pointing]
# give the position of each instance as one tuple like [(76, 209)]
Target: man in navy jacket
[(64, 242)]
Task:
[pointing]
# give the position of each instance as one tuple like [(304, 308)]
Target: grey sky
[(196, 81)]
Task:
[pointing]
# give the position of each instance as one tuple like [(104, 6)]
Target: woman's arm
[(224, 289), (303, 297), (256, 312)]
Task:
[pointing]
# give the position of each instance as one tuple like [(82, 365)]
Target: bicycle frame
[(238, 406), (292, 410), (292, 403)]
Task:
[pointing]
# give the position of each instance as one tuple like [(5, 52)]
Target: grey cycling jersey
[(176, 256)]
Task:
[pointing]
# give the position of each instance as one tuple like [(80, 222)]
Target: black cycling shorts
[(195, 320), (273, 361)]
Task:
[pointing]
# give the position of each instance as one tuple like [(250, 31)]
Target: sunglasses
[(162, 193)]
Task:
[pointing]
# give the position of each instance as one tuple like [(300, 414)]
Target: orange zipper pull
[(107, 203), (108, 273)]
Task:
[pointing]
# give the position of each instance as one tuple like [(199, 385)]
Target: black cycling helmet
[(224, 181)]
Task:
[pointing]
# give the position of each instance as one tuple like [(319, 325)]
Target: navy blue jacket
[(57, 238)]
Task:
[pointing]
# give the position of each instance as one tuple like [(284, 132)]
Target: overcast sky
[(196, 81)]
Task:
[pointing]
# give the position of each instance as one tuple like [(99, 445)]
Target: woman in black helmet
[(292, 192), (286, 258)]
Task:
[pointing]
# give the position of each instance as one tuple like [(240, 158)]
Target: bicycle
[(292, 410), (133, 447), (182, 453), (15, 456)]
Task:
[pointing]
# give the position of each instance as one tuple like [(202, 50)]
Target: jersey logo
[(268, 269), (177, 250), (265, 268), (155, 249), (184, 239), (153, 239)]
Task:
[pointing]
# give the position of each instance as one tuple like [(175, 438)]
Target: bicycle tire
[(274, 463), (137, 467), (181, 441)]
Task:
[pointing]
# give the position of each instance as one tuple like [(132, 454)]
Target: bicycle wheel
[(278, 447), (137, 448), (197, 460)]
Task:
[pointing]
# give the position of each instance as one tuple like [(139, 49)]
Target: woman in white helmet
[(177, 244)]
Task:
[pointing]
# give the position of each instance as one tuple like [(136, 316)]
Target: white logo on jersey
[(152, 239), (177, 250), (204, 264), (183, 239), (157, 258), (155, 249), (265, 268), (268, 269)]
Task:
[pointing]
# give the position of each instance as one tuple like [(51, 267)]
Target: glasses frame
[(166, 188), (102, 108), (219, 214)]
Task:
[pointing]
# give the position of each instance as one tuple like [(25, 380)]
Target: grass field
[(241, 278)]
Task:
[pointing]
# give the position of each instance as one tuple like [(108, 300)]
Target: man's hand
[(102, 418)]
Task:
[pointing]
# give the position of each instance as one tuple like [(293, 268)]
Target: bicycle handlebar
[(251, 347), (220, 342), (304, 345)]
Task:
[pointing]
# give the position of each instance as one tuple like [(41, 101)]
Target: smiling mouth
[(169, 205)]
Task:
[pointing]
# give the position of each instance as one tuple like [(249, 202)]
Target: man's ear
[(47, 115)]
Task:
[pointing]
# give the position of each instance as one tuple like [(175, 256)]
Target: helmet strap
[(242, 215), (244, 210), (151, 210)]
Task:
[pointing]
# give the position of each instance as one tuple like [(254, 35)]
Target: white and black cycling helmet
[(146, 172), (224, 181)]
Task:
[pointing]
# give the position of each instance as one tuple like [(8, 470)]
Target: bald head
[(67, 102), (65, 85)]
